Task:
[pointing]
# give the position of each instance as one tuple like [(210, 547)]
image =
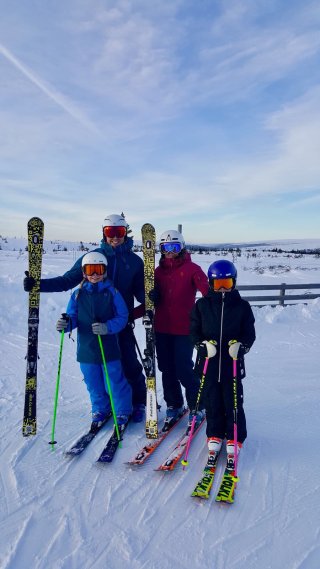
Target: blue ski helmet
[(222, 269)]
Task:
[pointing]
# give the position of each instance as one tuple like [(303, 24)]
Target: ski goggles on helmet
[(90, 270), (118, 231), (218, 284), (170, 247)]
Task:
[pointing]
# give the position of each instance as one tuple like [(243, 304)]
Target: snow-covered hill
[(76, 515)]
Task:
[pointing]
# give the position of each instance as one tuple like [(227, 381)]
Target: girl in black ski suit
[(222, 315)]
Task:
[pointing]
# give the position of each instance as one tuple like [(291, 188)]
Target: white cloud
[(145, 61), (162, 82)]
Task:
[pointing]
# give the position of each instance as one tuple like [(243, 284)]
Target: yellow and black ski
[(228, 483), (204, 485), (149, 246), (35, 249)]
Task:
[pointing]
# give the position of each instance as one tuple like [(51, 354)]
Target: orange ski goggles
[(218, 284), (90, 270)]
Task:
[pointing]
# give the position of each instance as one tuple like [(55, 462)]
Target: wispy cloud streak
[(52, 93)]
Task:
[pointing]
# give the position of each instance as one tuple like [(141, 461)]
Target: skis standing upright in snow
[(149, 245), (35, 249)]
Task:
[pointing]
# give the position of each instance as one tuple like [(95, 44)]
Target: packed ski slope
[(73, 514)]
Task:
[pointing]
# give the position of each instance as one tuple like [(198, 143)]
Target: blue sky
[(201, 113)]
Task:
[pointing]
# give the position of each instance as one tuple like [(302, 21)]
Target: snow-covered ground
[(62, 514)]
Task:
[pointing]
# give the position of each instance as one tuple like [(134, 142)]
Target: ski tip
[(71, 454), (224, 500), (199, 495)]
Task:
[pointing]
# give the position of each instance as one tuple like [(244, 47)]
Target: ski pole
[(109, 390), (235, 409), (138, 348), (53, 442), (235, 417), (185, 462)]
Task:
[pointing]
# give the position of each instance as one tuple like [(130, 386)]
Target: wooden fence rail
[(282, 298)]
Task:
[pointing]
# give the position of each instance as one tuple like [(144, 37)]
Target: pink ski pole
[(235, 417)]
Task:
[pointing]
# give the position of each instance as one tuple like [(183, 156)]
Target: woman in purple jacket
[(177, 280)]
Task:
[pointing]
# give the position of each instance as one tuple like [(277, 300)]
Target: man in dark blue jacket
[(125, 270)]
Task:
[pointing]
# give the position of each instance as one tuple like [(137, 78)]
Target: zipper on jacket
[(220, 343)]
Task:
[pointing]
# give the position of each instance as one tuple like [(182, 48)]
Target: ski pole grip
[(66, 317), (234, 346)]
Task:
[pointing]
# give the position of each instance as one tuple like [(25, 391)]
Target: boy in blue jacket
[(96, 307)]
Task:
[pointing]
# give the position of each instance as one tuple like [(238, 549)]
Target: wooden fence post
[(282, 293)]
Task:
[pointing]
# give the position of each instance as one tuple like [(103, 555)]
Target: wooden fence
[(282, 298)]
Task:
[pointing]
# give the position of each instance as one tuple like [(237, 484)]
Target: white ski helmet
[(94, 258), (114, 220), (172, 236)]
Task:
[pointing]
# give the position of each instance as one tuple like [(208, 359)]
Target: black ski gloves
[(28, 282), (154, 296)]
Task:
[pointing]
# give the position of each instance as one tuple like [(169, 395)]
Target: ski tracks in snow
[(74, 514), (81, 514)]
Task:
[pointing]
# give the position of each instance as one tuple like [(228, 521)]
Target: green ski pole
[(109, 390), (53, 442)]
